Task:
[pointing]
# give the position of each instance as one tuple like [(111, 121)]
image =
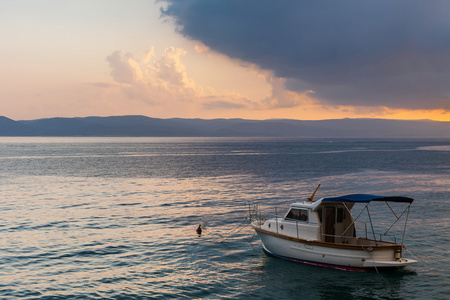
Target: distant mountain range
[(140, 126)]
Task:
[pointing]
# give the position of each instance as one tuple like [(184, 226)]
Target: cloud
[(164, 79), (214, 103), (200, 48), (366, 53), (153, 79), (171, 71), (124, 68), (280, 97)]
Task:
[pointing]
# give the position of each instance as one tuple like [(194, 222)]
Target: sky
[(255, 59)]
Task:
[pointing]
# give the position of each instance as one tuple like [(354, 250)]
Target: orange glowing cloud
[(162, 85), (164, 79)]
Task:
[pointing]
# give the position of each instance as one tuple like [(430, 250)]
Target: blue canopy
[(367, 198)]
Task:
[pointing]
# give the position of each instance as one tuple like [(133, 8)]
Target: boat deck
[(360, 241)]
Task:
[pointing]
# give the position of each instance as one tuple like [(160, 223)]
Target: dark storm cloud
[(354, 52)]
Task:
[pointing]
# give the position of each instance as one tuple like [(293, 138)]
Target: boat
[(324, 233)]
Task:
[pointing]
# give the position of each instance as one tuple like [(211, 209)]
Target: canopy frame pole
[(398, 218), (371, 225), (348, 210), (392, 210), (404, 228), (355, 219)]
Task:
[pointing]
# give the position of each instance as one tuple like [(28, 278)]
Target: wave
[(435, 148)]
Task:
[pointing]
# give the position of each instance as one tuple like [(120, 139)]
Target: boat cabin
[(333, 221), (336, 223)]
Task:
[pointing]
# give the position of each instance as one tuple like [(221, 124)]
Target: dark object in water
[(199, 229)]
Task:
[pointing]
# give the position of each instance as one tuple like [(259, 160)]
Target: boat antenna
[(310, 199)]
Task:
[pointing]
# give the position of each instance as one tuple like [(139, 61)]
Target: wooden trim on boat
[(330, 245)]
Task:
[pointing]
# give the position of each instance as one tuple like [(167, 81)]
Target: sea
[(116, 218)]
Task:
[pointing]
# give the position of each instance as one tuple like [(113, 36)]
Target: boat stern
[(394, 264)]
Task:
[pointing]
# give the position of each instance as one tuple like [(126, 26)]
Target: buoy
[(199, 229)]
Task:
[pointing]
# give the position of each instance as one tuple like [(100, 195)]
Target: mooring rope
[(251, 240), (421, 261), (241, 226)]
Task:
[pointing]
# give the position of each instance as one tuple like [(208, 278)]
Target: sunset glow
[(102, 58)]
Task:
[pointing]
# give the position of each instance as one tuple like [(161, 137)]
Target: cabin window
[(319, 212), (298, 214), (340, 215)]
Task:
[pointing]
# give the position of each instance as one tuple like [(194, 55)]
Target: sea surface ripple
[(115, 218)]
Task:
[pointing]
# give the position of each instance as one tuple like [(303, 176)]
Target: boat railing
[(360, 234), (387, 237), (255, 216), (342, 239), (361, 226), (357, 240), (358, 225)]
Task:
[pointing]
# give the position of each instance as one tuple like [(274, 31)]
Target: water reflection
[(103, 221), (292, 280)]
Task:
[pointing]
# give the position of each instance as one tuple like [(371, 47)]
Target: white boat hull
[(334, 256)]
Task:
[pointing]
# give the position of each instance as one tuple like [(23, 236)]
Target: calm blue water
[(115, 218)]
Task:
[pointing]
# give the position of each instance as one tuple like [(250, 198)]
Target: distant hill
[(140, 126)]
